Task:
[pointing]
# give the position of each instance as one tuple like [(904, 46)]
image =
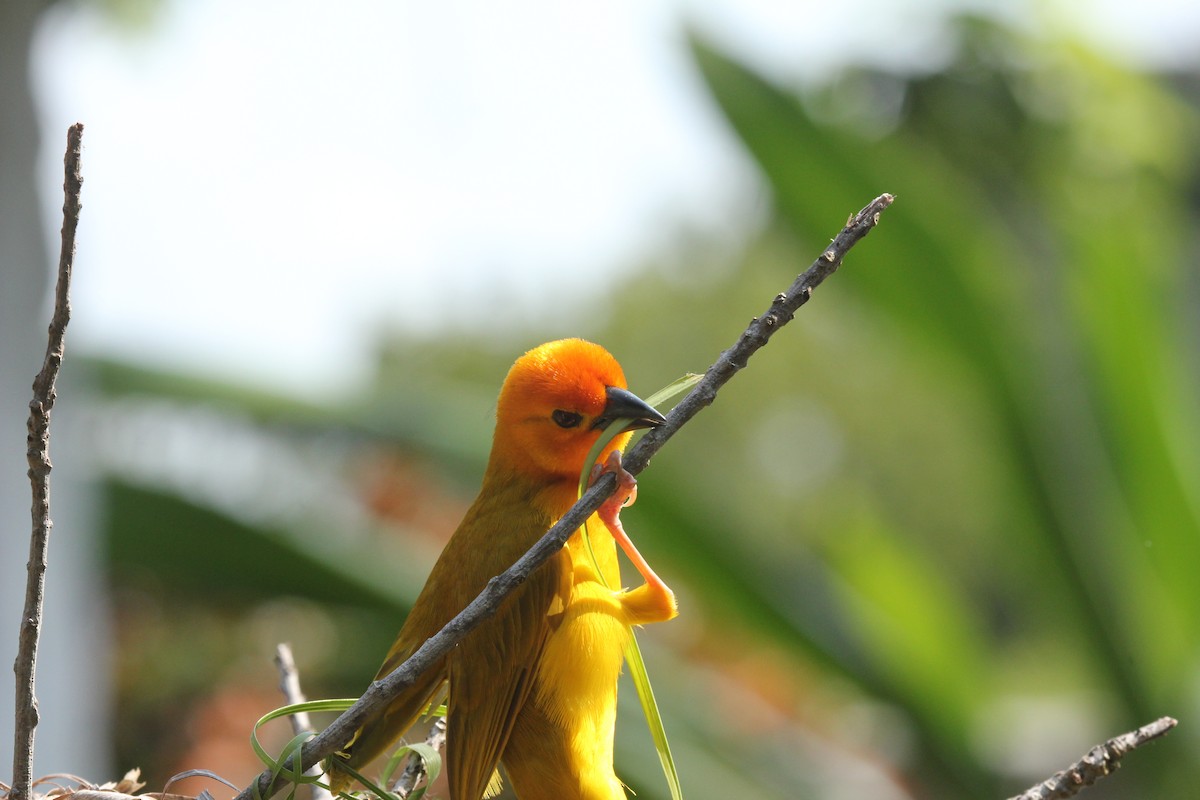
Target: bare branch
[(38, 455), (289, 685), (760, 330), (1101, 760)]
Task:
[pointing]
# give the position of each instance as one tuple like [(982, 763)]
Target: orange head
[(556, 400)]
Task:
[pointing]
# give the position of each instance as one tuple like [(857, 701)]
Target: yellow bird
[(534, 686)]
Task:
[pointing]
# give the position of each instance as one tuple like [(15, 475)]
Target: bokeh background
[(941, 538)]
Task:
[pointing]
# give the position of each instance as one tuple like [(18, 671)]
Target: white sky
[(268, 183)]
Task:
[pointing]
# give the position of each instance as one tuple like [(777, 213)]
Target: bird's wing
[(491, 677), (468, 561), (492, 671)]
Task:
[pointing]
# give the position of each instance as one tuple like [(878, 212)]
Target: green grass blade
[(676, 387), (428, 754), (340, 704), (292, 748), (615, 429), (371, 786), (633, 653), (337, 704), (641, 681)]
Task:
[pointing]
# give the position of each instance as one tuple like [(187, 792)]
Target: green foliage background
[(939, 539)]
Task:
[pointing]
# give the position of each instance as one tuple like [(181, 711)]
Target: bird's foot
[(626, 493), (654, 601)]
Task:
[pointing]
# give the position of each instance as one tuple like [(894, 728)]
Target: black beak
[(622, 404)]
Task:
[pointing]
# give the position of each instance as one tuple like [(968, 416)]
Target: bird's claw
[(654, 601), (626, 492)]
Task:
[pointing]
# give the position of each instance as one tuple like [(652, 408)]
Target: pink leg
[(655, 601)]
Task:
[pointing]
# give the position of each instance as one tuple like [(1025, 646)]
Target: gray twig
[(415, 770), (760, 330), (38, 455), (289, 685), (1101, 760)]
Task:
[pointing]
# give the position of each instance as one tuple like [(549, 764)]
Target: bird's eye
[(566, 419)]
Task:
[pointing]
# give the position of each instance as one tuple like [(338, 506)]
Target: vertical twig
[(289, 684), (416, 770), (38, 455)]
